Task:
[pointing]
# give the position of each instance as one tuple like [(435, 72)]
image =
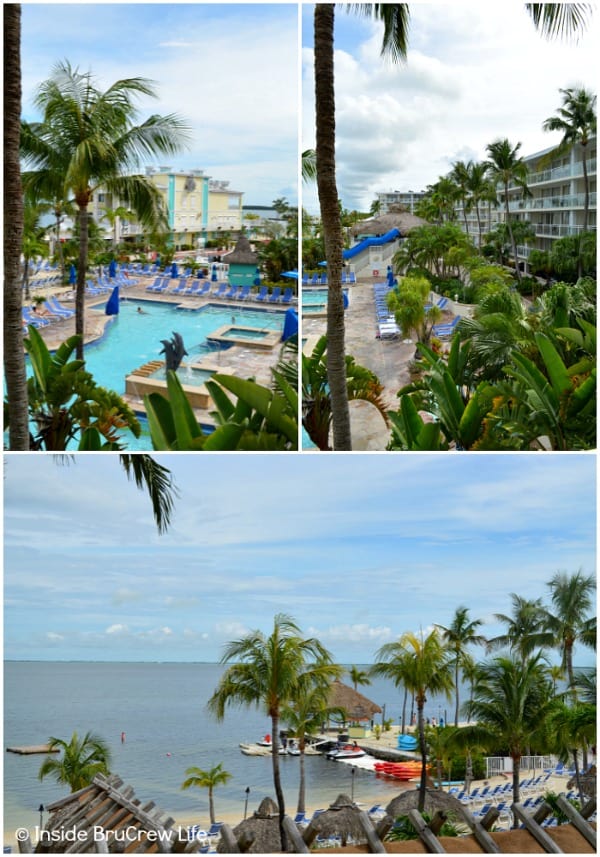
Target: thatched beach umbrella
[(243, 254), (262, 830), (341, 819), (434, 800), (401, 220)]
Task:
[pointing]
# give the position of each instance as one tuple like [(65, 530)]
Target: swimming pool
[(134, 338), (315, 300)]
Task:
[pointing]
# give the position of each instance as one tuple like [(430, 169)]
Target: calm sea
[(162, 710)]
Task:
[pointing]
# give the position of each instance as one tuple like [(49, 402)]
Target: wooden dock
[(32, 749)]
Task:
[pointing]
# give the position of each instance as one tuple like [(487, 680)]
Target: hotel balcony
[(569, 171), (558, 230), (575, 200)]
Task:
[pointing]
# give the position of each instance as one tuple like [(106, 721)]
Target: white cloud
[(117, 629)]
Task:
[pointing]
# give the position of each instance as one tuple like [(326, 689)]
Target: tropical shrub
[(67, 406), (407, 301), (403, 829)]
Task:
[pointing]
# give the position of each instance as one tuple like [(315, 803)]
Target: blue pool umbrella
[(174, 272), (290, 324), (72, 275), (213, 275), (112, 268), (323, 264), (257, 278), (112, 304), (291, 275), (390, 276), (345, 300)]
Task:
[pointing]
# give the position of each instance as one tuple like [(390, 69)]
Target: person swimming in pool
[(141, 311)]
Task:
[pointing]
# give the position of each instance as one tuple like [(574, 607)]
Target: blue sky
[(231, 70), (357, 548), (475, 72)]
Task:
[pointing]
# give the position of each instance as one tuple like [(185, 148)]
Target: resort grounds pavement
[(389, 359)]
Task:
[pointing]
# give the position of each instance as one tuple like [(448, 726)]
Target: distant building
[(406, 199)]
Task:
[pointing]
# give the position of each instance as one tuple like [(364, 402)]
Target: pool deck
[(387, 358)]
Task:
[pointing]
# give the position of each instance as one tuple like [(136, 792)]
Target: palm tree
[(358, 676), (571, 599), (304, 717), (460, 174), (421, 664), (89, 137), (506, 168), (511, 703), (480, 189), (209, 779), (81, 761), (460, 634), (526, 629), (309, 165), (271, 672), (14, 354)]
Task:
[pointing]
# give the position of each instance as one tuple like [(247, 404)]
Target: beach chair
[(215, 829), (323, 280), (263, 294), (287, 296), (315, 280), (352, 278), (220, 290), (180, 289), (274, 297), (202, 289), (443, 331), (152, 286), (30, 318), (231, 293), (305, 279), (244, 293), (388, 330), (300, 818), (58, 309)]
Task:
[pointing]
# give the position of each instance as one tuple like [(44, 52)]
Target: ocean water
[(161, 707)]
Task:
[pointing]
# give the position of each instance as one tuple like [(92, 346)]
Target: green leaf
[(557, 371), (91, 440), (186, 424), (160, 421)]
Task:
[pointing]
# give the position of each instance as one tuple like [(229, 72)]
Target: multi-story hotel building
[(199, 209), (557, 203)]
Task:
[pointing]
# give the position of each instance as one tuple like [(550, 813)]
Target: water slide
[(371, 242)]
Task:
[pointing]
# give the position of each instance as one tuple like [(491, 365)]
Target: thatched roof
[(401, 220), (342, 818), (242, 254), (434, 799), (357, 706), (262, 828)]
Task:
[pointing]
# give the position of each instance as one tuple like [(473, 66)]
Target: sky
[(230, 70), (475, 72), (356, 548)]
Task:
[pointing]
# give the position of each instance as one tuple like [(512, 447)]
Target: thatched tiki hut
[(258, 834), (360, 711), (342, 819), (399, 219), (242, 263)]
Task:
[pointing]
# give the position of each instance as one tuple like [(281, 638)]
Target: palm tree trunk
[(81, 275), (404, 701), (277, 776), (211, 806), (513, 243), (423, 749), (586, 208), (331, 220), (478, 225), (59, 249), (456, 676), (516, 777), (302, 785), (14, 355)]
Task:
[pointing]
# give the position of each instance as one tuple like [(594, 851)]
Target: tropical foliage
[(207, 779)]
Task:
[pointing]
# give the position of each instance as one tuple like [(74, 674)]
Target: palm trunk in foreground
[(332, 226), (423, 749), (277, 777), (81, 275), (14, 356)]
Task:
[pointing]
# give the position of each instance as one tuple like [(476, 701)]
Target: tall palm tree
[(89, 137), (461, 632), (81, 761), (571, 601), (209, 779), (422, 665), (511, 702), (526, 629), (14, 354), (506, 168), (305, 716), (480, 189), (271, 672), (358, 676), (460, 174)]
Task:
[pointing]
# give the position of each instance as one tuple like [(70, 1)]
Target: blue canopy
[(323, 264), (213, 275), (291, 275), (112, 304), (345, 300), (72, 275), (257, 277), (174, 271), (112, 268), (290, 324)]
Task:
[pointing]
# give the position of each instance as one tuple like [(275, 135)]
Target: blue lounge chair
[(31, 318), (274, 297), (202, 289), (152, 287), (323, 280), (231, 293), (180, 289), (244, 292), (287, 295), (352, 278), (220, 292), (57, 308), (445, 330), (263, 293)]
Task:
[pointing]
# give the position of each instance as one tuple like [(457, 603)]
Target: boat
[(346, 751), (399, 770)]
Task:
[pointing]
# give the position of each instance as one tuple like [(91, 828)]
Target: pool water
[(310, 297), (133, 338), (240, 333), (188, 375)]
